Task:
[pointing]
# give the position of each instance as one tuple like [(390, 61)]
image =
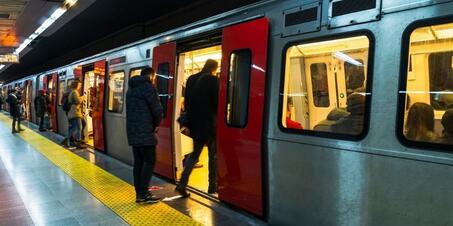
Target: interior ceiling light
[(47, 23), (2, 66)]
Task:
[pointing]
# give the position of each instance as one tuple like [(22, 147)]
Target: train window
[(238, 88), (61, 90), (116, 92), (427, 89), (163, 75), (325, 87)]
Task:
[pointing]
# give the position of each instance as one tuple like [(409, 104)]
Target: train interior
[(89, 92), (190, 63), (430, 70), (319, 78), (46, 83)]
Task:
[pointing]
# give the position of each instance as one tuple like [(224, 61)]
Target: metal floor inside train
[(43, 183)]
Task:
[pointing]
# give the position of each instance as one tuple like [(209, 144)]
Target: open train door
[(98, 105), (164, 62), (240, 117)]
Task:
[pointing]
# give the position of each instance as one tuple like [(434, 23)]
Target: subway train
[(330, 112)]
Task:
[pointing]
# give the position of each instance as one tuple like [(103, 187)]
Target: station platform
[(42, 183)]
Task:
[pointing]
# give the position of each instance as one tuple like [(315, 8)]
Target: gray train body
[(312, 180)]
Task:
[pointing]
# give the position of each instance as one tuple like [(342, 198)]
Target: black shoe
[(14, 131), (149, 199), (182, 192), (20, 130), (42, 130)]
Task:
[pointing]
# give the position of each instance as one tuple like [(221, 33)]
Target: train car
[(330, 112)]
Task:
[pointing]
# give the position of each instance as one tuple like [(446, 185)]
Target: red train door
[(53, 100), (98, 106), (164, 62), (239, 153)]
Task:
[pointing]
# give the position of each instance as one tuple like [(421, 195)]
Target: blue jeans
[(75, 129)]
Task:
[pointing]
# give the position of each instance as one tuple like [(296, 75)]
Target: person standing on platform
[(41, 108), (143, 115), (200, 103), (14, 109), (75, 115), (2, 101)]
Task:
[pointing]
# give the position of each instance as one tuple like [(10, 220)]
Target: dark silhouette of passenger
[(446, 97), (353, 123), (291, 124), (447, 123), (356, 82), (332, 118), (41, 108), (14, 109), (200, 103), (144, 113), (420, 123)]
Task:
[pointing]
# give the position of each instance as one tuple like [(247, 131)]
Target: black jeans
[(193, 159), (16, 120), (144, 161), (41, 122)]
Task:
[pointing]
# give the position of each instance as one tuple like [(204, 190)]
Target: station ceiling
[(91, 26)]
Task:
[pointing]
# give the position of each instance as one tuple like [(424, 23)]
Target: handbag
[(184, 123)]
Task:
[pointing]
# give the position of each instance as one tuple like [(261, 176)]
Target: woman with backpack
[(74, 101)]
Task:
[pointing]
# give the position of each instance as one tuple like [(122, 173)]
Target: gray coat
[(143, 112)]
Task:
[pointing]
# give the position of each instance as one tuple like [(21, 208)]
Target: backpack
[(65, 102)]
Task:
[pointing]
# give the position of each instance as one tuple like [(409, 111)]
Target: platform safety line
[(115, 193)]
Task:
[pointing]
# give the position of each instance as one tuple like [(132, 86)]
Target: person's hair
[(74, 84), (447, 121), (420, 121), (210, 66), (147, 71)]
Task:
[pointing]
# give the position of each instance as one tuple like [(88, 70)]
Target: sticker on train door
[(240, 114)]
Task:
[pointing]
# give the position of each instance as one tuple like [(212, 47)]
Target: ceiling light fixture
[(2, 66), (47, 23)]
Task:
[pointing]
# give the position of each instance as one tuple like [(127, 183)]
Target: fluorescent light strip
[(47, 23), (2, 66)]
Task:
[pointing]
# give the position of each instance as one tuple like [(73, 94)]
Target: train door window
[(163, 75), (426, 92), (61, 91), (320, 84), (116, 92), (135, 72), (325, 88), (238, 88)]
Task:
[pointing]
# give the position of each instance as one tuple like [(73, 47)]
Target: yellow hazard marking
[(115, 193)]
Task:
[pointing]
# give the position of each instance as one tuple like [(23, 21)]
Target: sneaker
[(149, 199), (182, 192)]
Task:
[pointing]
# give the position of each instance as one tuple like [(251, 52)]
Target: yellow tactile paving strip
[(110, 190)]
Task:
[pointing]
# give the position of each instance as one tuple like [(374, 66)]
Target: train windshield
[(326, 86)]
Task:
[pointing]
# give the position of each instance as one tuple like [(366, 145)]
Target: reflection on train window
[(238, 88), (116, 92), (61, 90), (163, 75), (320, 86), (429, 85), (325, 86)]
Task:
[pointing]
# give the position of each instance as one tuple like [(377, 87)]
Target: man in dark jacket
[(200, 103), (14, 110), (41, 108), (143, 115)]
